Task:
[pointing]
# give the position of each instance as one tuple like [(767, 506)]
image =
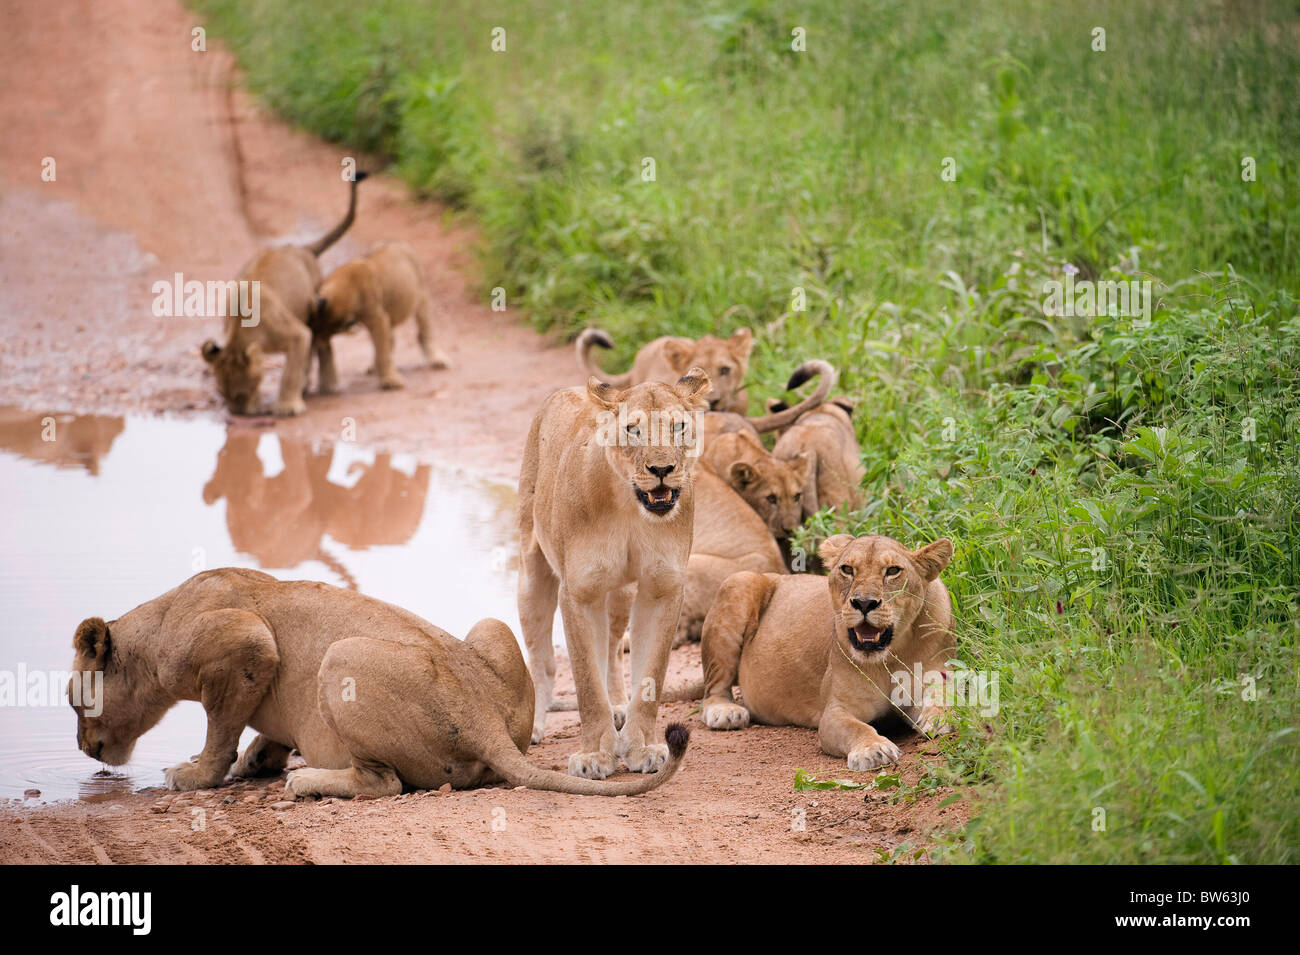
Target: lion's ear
[(832, 547), (602, 394), (210, 350), (742, 474), (931, 559), (679, 355), (93, 642), (800, 464), (253, 352), (742, 343), (693, 388)]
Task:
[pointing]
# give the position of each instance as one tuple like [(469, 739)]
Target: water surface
[(114, 511)]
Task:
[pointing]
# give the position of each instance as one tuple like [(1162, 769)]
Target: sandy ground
[(162, 165)]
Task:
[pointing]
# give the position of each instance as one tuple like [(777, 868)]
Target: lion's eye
[(633, 432), (846, 570), (798, 495), (724, 370), (891, 571), (771, 499), (679, 427)]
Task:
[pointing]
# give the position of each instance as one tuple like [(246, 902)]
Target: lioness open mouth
[(659, 500), (870, 639)]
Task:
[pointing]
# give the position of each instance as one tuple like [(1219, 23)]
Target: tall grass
[(1123, 495)]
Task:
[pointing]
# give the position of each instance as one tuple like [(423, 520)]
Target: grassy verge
[(1123, 493)]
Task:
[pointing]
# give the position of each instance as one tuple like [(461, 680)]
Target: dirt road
[(160, 166)]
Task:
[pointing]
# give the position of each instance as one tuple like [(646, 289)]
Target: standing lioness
[(371, 695), (836, 665), (606, 499)]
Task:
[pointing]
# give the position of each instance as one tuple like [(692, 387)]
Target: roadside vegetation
[(1123, 489)]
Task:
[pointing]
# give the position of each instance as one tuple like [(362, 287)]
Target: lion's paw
[(933, 721), (874, 755), (595, 765), (726, 716), (392, 382), (289, 408), (646, 759), (186, 777), (539, 732), (304, 782)]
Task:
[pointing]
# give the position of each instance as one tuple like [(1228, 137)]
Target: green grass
[(1127, 557)]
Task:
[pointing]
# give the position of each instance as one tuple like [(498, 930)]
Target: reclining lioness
[(803, 660), (725, 362), (286, 277), (372, 696), (380, 290)]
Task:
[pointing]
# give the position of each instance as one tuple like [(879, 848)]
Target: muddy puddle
[(103, 513)]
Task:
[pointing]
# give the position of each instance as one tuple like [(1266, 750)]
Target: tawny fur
[(825, 438), (372, 696), (725, 361), (589, 531), (786, 640), (381, 290), (287, 278)]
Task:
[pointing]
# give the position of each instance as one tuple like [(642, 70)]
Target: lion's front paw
[(933, 721), (646, 759), (874, 755), (392, 382), (439, 361), (594, 765), (289, 407), (188, 776), (726, 716), (304, 782)]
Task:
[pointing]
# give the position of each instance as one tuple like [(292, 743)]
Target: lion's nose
[(660, 471), (865, 604)]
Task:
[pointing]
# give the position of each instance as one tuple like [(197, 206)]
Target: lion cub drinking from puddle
[(286, 277), (372, 696), (380, 291), (802, 660)]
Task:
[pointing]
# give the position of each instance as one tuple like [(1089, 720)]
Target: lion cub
[(804, 660), (773, 487), (380, 291), (826, 439), (724, 361), (286, 278)]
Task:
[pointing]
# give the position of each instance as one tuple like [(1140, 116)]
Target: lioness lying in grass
[(804, 660)]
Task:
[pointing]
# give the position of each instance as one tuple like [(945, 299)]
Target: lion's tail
[(682, 694), (589, 339), (336, 233), (826, 376), (515, 769)]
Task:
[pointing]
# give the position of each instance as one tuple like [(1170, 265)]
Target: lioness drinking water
[(372, 696)]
